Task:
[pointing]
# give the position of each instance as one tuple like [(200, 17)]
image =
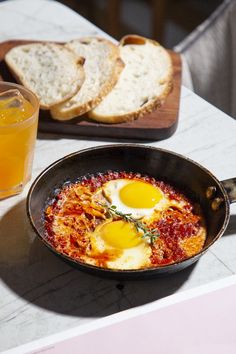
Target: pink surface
[(202, 325)]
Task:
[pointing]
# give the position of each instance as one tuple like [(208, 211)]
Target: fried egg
[(135, 197), (120, 245)]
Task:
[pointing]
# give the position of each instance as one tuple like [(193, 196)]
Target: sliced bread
[(54, 73), (102, 69), (143, 85)]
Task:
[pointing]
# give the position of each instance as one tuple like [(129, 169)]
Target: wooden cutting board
[(158, 125)]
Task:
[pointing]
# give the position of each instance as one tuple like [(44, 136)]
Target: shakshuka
[(124, 220)]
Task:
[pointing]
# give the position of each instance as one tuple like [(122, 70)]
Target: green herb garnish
[(151, 235)]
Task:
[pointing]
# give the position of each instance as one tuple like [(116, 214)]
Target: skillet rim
[(129, 272)]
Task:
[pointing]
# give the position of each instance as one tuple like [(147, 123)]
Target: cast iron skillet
[(197, 182)]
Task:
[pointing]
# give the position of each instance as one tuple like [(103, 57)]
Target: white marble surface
[(41, 295)]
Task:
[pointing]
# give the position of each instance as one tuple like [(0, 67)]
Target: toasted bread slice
[(102, 69), (143, 85), (54, 73)]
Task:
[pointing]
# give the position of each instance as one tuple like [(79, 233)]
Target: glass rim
[(22, 89)]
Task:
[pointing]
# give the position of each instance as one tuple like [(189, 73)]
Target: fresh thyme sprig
[(151, 235)]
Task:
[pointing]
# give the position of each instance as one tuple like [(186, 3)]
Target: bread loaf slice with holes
[(102, 69), (143, 85), (53, 72)]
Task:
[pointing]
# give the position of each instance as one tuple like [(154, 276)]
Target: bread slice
[(102, 69), (143, 85), (50, 70)]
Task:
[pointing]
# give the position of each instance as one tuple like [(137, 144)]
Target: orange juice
[(18, 129)]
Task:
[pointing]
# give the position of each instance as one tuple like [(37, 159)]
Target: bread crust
[(60, 114), (152, 104), (20, 78)]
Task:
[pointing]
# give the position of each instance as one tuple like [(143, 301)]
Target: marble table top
[(40, 294)]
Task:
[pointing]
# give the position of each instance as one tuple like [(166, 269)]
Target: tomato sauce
[(71, 207)]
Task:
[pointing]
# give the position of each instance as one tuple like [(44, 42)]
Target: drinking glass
[(17, 137)]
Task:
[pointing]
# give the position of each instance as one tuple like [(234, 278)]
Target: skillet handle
[(230, 187)]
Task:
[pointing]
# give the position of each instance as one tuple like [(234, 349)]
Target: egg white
[(111, 191), (130, 258)]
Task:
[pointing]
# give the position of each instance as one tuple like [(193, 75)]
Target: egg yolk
[(120, 234), (140, 195)]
